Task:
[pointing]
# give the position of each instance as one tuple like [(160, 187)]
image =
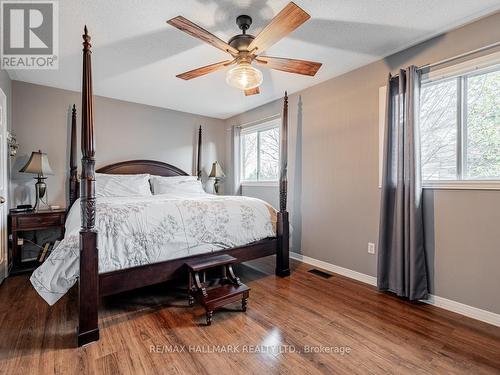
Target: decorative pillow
[(122, 185), (176, 185)]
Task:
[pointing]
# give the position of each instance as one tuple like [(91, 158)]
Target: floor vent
[(319, 273)]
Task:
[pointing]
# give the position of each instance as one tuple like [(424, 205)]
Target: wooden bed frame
[(93, 285)]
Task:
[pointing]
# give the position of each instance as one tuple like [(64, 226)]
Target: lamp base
[(216, 186), (41, 202)]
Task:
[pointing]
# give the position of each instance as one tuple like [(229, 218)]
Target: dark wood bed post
[(74, 184), (198, 161), (283, 226), (88, 329)]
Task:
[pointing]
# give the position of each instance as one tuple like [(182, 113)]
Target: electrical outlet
[(371, 248)]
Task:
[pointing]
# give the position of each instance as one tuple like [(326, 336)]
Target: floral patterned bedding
[(135, 231)]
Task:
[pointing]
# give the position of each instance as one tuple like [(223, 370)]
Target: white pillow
[(176, 185), (122, 185)]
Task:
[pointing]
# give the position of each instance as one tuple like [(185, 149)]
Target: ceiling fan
[(245, 49)]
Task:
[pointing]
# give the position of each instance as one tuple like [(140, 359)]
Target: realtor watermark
[(250, 349), (29, 34)]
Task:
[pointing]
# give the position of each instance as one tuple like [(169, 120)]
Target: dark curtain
[(402, 265)]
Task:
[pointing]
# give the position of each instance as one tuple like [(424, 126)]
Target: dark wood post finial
[(86, 39)]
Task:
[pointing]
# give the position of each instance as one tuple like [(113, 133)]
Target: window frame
[(461, 72), (270, 123)]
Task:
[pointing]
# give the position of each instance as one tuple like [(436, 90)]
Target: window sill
[(461, 185), (260, 183)]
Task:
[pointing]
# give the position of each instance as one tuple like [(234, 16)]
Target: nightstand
[(20, 222)]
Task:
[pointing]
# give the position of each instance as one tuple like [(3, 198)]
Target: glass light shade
[(244, 76)]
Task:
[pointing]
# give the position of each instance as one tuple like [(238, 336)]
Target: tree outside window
[(260, 148), (460, 127)]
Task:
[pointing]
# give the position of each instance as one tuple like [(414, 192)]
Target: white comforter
[(144, 230)]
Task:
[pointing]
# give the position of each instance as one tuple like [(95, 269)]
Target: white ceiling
[(136, 55)]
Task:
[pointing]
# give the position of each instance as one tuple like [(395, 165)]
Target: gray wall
[(123, 131), (334, 197)]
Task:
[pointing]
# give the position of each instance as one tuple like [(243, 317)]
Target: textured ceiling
[(137, 55)]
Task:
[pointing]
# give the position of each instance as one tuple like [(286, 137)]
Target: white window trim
[(271, 183), (268, 123), (467, 67), (461, 185), (479, 64), (265, 124)]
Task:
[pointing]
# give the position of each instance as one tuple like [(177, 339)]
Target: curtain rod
[(259, 121), (457, 57)]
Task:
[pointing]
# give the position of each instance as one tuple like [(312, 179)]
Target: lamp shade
[(38, 164), (217, 171)]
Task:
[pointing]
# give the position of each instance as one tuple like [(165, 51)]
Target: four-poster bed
[(93, 285)]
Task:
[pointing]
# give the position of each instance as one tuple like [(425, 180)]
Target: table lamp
[(218, 174), (39, 165)]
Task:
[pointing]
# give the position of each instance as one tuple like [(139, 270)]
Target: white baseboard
[(444, 303), (466, 310), (336, 269)]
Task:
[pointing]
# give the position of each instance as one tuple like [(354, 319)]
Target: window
[(260, 149), (460, 126)]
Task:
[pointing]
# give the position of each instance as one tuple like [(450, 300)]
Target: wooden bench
[(228, 290)]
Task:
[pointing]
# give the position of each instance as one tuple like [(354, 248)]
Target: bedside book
[(43, 252)]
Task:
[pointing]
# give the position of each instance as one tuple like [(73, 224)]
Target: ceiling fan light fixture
[(246, 49), (244, 76)]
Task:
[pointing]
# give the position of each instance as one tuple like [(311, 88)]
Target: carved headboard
[(157, 168)]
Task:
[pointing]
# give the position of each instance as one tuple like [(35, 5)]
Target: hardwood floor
[(381, 333)]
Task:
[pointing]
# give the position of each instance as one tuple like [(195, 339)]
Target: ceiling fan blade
[(196, 31), (204, 70), (253, 91), (308, 68), (290, 17)]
